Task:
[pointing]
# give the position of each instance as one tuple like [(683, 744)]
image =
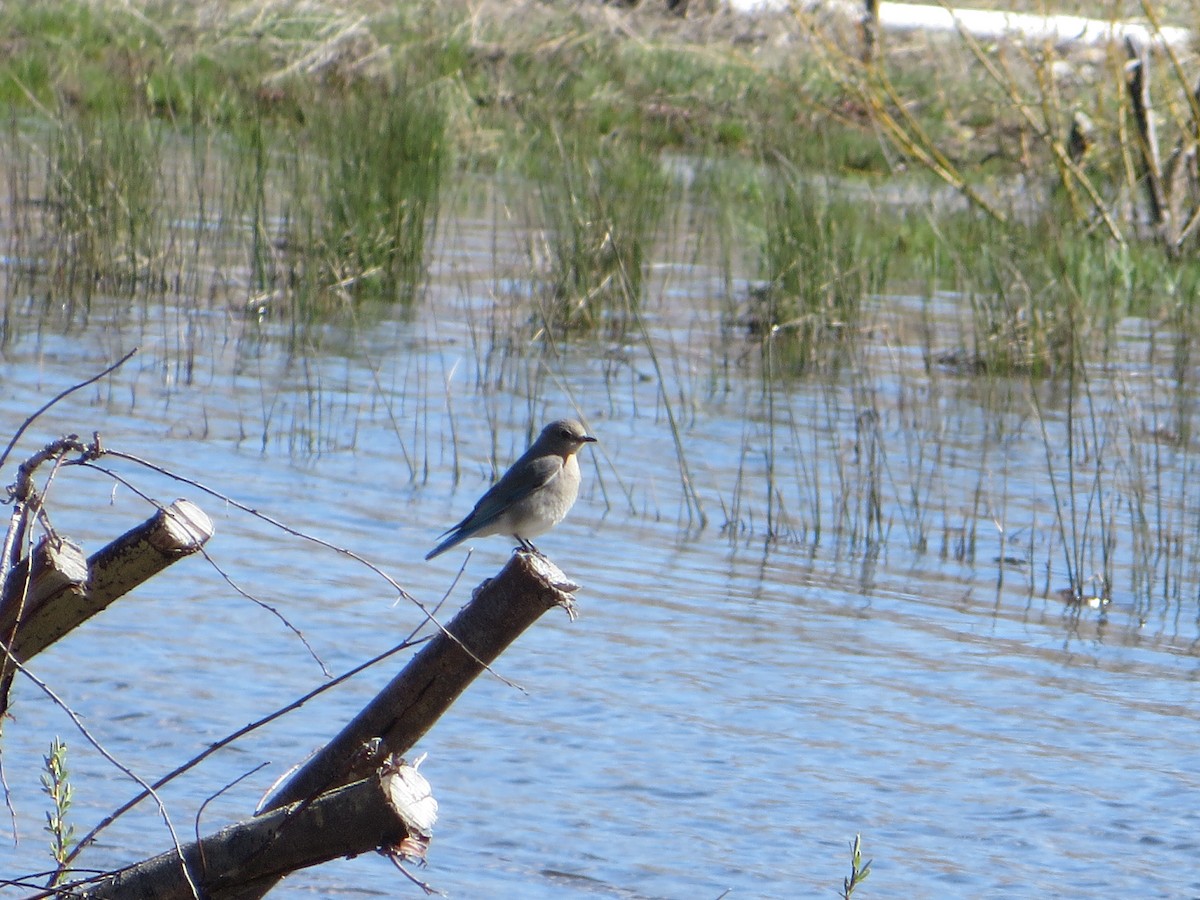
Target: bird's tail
[(456, 536)]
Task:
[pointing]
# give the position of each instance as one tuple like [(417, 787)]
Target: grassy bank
[(289, 160)]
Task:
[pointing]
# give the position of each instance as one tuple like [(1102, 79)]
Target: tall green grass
[(380, 157), (602, 202), (823, 257), (103, 212)]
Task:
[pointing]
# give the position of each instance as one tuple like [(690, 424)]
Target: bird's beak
[(588, 439)]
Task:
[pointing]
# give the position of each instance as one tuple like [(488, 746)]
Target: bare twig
[(228, 580), (112, 760), (429, 889), (287, 529), (212, 797), (24, 425), (231, 738)]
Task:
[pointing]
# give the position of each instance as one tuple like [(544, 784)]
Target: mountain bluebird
[(533, 495)]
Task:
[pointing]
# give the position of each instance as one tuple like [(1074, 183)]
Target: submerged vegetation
[(919, 269), (289, 164), (601, 206)]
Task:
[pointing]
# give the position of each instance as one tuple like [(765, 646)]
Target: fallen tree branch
[(499, 611), (393, 811), (38, 608), (248, 859)]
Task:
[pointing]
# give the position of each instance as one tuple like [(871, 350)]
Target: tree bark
[(63, 593), (308, 820), (499, 611), (1137, 83), (38, 621), (392, 810)]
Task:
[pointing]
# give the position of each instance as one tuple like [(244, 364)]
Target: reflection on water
[(729, 710)]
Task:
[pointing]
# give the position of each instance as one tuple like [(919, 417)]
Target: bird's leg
[(527, 546)]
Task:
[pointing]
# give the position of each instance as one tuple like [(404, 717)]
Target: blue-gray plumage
[(533, 495)]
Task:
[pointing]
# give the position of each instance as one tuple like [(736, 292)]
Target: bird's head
[(563, 437)]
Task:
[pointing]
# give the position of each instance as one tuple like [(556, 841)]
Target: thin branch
[(287, 529), (429, 889), (24, 425), (228, 580), (237, 735), (112, 760), (212, 797)]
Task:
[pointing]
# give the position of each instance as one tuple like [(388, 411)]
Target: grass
[(288, 166), (587, 100), (381, 162), (289, 163), (602, 203), (822, 260), (102, 204)]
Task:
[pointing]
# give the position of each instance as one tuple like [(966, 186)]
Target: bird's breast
[(545, 507)]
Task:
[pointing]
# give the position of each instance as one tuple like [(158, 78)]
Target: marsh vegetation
[(919, 298), (292, 164)]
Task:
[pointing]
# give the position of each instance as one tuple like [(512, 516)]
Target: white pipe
[(986, 24)]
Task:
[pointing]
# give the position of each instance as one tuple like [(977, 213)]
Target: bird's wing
[(521, 480), (517, 483)]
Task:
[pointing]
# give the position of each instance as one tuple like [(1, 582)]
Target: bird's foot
[(524, 546)]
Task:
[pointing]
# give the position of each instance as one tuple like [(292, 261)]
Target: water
[(729, 711)]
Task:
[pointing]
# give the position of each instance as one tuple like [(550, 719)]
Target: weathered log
[(499, 611), (1137, 84), (31, 623), (869, 26), (245, 861), (393, 810), (55, 573), (64, 591), (55, 568), (989, 24)]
